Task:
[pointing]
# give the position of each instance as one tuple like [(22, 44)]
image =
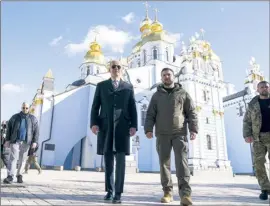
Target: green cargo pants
[(260, 150), (164, 146)]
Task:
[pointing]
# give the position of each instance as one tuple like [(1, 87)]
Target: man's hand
[(192, 136), (7, 144), (132, 131), (34, 145), (249, 139), (149, 135), (95, 129)]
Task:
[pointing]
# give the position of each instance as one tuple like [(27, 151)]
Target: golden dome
[(95, 55), (156, 27), (145, 24)]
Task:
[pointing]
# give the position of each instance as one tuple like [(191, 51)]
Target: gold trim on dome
[(38, 101)]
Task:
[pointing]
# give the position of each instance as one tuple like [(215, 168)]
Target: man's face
[(25, 108), (263, 89), (167, 77), (115, 69)]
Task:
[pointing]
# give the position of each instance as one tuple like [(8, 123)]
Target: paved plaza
[(87, 188)]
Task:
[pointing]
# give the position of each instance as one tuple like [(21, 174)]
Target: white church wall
[(44, 132), (239, 152), (69, 123), (143, 74)]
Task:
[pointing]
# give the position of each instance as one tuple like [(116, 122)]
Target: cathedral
[(65, 136)]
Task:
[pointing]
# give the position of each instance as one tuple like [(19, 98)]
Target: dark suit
[(117, 115)]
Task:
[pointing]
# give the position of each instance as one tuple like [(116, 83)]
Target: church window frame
[(139, 62), (144, 57), (87, 70), (155, 53), (209, 142), (167, 54), (143, 114), (204, 95)]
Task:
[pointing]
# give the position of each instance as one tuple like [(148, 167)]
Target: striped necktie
[(115, 84)]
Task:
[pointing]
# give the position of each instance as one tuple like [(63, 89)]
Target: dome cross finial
[(146, 9), (96, 33), (156, 11), (202, 31)]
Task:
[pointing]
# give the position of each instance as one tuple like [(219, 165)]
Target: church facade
[(65, 136)]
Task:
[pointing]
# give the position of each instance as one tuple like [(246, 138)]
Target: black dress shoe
[(264, 195), (117, 199), (108, 196)]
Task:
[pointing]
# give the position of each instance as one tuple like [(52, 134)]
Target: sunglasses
[(116, 66), (25, 107)]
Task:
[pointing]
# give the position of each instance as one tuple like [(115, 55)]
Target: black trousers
[(118, 186)]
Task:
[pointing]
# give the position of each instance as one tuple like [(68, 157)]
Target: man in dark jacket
[(114, 124), (22, 134), (170, 109)]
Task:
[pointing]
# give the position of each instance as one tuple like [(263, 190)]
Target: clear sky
[(37, 36)]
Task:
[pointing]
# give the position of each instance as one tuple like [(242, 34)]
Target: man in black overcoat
[(114, 121)]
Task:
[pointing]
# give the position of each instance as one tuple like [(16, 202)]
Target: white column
[(215, 118)]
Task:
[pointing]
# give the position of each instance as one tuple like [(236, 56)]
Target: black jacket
[(117, 115)]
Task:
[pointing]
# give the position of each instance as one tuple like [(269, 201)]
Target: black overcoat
[(114, 111)]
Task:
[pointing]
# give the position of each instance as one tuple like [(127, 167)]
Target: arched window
[(139, 62), (209, 142), (88, 71), (167, 54), (143, 114), (144, 57), (155, 53), (204, 95)]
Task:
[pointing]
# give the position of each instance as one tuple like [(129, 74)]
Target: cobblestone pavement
[(87, 188)]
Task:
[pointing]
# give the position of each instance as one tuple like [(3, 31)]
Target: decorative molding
[(216, 112)]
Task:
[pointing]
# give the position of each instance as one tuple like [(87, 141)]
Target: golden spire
[(49, 74)]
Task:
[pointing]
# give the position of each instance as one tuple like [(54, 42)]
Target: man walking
[(114, 124), (22, 133), (32, 159), (170, 109), (256, 129)]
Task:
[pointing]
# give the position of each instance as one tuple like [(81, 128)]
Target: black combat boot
[(8, 180), (19, 179), (264, 195)]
